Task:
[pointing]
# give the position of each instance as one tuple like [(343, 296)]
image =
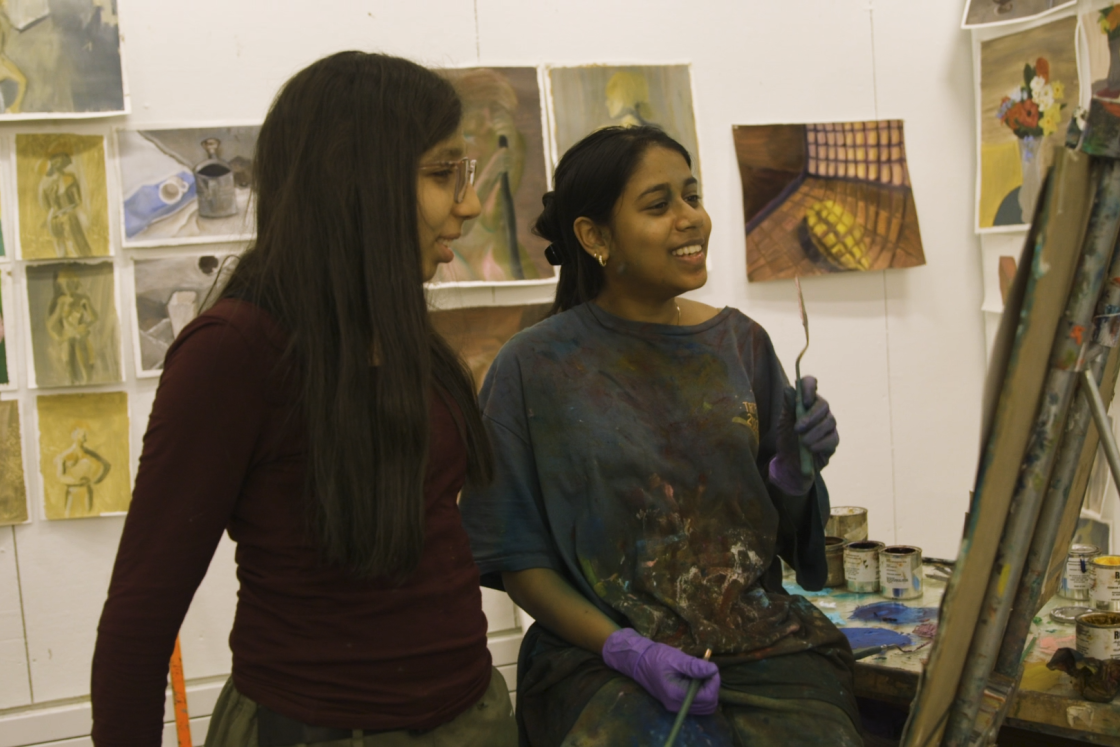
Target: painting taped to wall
[(83, 454), (478, 333), (502, 127), (75, 334), (60, 59), (184, 186), (997, 12), (1102, 38), (63, 202), (5, 379), (170, 292), (826, 198), (585, 99), (1028, 92), (13, 488)]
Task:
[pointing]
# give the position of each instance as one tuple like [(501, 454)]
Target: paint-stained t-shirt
[(632, 459)]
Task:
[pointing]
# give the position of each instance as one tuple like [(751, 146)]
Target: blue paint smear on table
[(894, 613), (796, 590), (867, 637)]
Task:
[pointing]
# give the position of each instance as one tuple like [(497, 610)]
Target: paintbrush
[(689, 696), (799, 400)]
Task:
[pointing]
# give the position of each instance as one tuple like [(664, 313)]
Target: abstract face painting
[(60, 58), (588, 98), (170, 291), (63, 203), (502, 126), (75, 335), (826, 198), (478, 333), (1028, 92), (83, 454), (186, 186)]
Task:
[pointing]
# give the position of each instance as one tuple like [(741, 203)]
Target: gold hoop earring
[(602, 260)]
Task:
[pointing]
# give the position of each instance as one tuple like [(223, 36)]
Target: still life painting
[(1102, 37), (13, 488), (63, 199), (1028, 93), (478, 333), (170, 292), (826, 198), (83, 454), (995, 12), (502, 127), (75, 334), (184, 186), (60, 59), (589, 98)]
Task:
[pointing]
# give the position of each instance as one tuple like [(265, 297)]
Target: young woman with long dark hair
[(315, 415), (648, 478)]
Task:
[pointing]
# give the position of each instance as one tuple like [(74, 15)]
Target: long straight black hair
[(337, 261), (589, 179)]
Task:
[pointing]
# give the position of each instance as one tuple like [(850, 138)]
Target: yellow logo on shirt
[(751, 418)]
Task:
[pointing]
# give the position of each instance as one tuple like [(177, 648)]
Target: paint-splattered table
[(1048, 702)]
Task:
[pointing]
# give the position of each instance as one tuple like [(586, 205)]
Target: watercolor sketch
[(1029, 91), (75, 335), (502, 126), (184, 186), (478, 333), (588, 98), (997, 12), (83, 454), (60, 59), (170, 292), (825, 198), (63, 201), (13, 488)]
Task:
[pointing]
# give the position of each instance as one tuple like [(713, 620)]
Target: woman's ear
[(594, 239)]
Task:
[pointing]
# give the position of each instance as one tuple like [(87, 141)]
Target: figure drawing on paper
[(84, 454), (63, 204), (1028, 92), (826, 198), (13, 490), (75, 335), (996, 12), (60, 58), (170, 292), (502, 127), (478, 333), (187, 185), (586, 99)]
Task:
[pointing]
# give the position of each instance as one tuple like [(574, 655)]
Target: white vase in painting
[(1030, 154)]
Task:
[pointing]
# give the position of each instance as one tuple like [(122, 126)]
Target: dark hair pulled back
[(588, 181), (337, 261)]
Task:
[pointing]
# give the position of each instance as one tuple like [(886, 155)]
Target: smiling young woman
[(314, 414), (648, 480)]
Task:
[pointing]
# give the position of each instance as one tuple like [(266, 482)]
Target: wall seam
[(23, 616), (477, 36)]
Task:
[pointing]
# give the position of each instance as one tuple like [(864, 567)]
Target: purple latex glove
[(663, 671), (816, 429)]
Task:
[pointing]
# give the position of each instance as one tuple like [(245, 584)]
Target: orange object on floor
[(179, 693)]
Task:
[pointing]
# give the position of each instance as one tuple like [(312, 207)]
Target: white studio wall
[(899, 354)]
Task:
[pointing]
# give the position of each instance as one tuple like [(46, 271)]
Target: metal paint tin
[(1068, 615), (834, 554), (1077, 575), (848, 522), (1106, 582), (1098, 635), (900, 572), (861, 566)]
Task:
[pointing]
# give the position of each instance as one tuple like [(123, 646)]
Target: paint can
[(900, 572), (834, 554), (1077, 575), (1068, 615), (861, 566), (1098, 635), (848, 522), (1106, 582)]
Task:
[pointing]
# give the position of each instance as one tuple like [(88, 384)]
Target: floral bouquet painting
[(1032, 111)]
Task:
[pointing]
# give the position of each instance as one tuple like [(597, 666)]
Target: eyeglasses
[(464, 173)]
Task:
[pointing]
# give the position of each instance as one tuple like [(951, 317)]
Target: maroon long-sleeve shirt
[(225, 450)]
